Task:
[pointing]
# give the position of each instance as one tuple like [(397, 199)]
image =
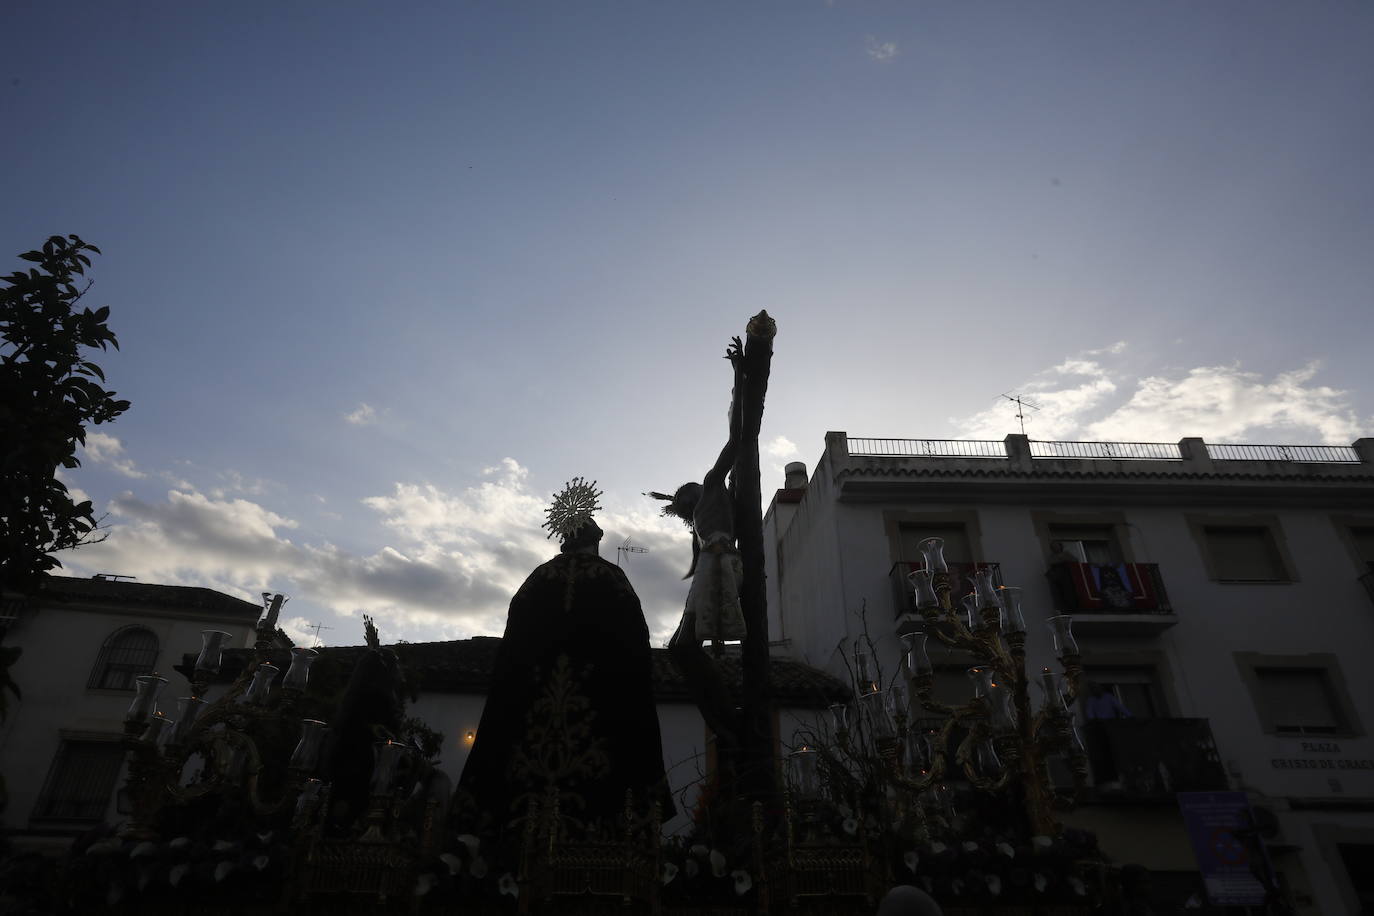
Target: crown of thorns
[(572, 508)]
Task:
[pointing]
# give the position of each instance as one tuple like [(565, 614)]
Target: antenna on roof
[(112, 577), (627, 548), (1021, 405)]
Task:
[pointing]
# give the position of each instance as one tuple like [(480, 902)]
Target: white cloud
[(103, 448), (362, 415), (781, 447), (881, 51), (454, 561), (1088, 397), (1225, 403)]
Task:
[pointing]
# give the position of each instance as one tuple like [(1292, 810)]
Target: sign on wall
[(1228, 851)]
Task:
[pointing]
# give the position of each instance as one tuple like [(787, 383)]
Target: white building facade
[(1214, 589), (84, 641)]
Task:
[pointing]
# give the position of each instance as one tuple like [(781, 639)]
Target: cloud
[(1088, 397), (781, 447), (881, 51), (446, 564), (362, 415), (103, 448), (1225, 403)]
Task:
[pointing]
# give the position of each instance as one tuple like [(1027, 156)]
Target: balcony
[(1112, 599), (904, 596), (1148, 760)]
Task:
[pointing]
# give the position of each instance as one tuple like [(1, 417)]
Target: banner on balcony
[(1114, 587), (1235, 867)]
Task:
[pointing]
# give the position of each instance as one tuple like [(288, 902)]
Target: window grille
[(81, 781), (125, 655)]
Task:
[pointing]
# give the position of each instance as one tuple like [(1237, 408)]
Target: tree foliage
[(49, 393)]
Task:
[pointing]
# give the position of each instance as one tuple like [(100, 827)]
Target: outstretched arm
[(726, 461)]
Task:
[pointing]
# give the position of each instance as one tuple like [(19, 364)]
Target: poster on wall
[(1229, 853)]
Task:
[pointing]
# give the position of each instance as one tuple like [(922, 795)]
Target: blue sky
[(385, 276)]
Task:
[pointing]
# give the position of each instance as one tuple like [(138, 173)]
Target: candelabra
[(236, 738), (1003, 744)]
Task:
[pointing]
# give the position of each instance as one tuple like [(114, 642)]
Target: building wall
[(840, 536), (61, 646)]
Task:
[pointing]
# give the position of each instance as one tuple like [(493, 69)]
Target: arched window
[(126, 654)]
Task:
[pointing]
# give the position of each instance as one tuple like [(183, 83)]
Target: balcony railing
[(1108, 588), (1151, 759), (904, 596), (1307, 454), (927, 448), (1113, 451)]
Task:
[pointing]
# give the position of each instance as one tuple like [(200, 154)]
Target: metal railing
[(1315, 454), (1115, 451), (927, 448), (1153, 758)]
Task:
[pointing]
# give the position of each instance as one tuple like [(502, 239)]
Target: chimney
[(796, 475)]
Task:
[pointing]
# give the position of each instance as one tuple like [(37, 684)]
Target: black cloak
[(571, 701)]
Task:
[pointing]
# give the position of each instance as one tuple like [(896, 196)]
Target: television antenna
[(317, 627), (112, 577), (1021, 405), (627, 548)]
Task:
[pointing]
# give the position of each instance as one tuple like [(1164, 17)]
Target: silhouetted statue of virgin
[(570, 711)]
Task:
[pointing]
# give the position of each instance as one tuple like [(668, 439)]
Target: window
[(127, 654), (1299, 701), (1090, 543), (1136, 688), (955, 538), (1363, 538), (81, 781), (1244, 554)]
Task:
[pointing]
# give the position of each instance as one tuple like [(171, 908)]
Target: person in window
[(1100, 705), (1060, 574)]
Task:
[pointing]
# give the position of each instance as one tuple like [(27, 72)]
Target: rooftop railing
[(927, 448), (1114, 451), (866, 447), (1317, 454)]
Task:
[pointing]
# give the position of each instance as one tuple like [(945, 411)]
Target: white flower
[(424, 884), (717, 863), (143, 849), (692, 868), (699, 850), (223, 846), (742, 881), (223, 869), (994, 884), (1077, 886), (1040, 882), (478, 868), (177, 873), (261, 862), (970, 846), (103, 848), (470, 841), (114, 894), (508, 885), (850, 826), (1040, 841), (179, 843), (453, 862), (937, 847), (957, 886), (669, 872), (1006, 850), (910, 860)]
